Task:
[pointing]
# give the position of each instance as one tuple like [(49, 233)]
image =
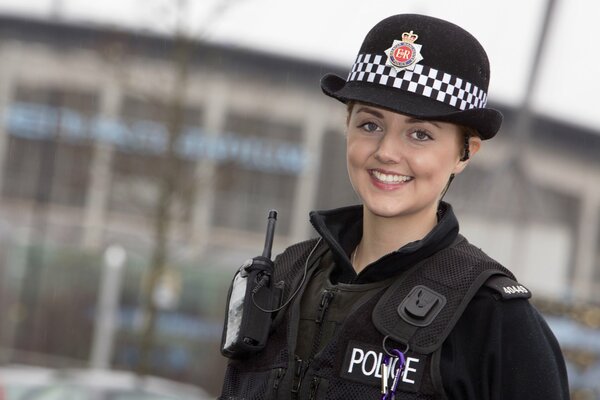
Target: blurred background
[(142, 143)]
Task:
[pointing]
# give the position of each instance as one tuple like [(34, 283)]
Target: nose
[(389, 149)]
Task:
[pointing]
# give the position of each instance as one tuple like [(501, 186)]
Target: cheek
[(437, 165), (355, 152), (357, 155)]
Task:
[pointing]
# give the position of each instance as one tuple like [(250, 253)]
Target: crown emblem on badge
[(405, 53), (409, 37)]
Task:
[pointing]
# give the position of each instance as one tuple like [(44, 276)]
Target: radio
[(251, 301)]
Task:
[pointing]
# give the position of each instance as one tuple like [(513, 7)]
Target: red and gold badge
[(405, 53)]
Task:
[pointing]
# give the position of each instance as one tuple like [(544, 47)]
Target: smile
[(389, 178)]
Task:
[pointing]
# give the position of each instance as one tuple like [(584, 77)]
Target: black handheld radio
[(251, 299)]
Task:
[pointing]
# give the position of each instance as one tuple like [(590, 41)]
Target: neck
[(383, 235)]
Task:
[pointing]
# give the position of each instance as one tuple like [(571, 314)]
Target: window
[(139, 160), (258, 179), (49, 148)]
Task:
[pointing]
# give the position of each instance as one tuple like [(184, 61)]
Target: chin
[(394, 209), (386, 210)]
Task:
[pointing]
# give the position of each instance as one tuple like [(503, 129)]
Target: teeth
[(389, 178)]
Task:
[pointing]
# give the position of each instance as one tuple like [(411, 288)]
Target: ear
[(474, 146)]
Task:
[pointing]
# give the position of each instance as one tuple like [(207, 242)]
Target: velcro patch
[(508, 288), (362, 363)]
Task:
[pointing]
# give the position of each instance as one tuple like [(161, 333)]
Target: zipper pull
[(314, 386), (298, 372), (323, 305), (277, 379)]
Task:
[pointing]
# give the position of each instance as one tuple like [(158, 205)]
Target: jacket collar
[(341, 229)]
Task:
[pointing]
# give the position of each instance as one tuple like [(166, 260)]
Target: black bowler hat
[(424, 67)]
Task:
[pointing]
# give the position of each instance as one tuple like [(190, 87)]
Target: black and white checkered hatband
[(422, 80)]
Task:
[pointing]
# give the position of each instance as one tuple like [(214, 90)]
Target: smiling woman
[(391, 301), (399, 166)]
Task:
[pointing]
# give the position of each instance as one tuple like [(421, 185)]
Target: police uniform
[(500, 347), (434, 319)]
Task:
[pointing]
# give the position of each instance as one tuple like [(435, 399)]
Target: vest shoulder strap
[(421, 308), (289, 271), (292, 259)]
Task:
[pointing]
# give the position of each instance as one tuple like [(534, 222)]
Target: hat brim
[(486, 121)]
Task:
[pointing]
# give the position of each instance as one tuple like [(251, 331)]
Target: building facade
[(89, 113)]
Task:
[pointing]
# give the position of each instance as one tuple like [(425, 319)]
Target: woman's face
[(399, 165)]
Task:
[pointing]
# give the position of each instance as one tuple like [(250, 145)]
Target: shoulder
[(469, 251), (502, 285), (297, 250), (503, 340), (502, 347), (501, 307), (293, 258), (500, 300)]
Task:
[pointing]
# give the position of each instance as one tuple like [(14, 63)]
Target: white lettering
[(515, 289), (369, 362), (379, 362), (408, 369), (357, 357), (523, 289), (370, 372)]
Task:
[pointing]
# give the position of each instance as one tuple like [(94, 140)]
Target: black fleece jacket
[(498, 350)]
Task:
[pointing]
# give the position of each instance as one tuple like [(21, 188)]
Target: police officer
[(391, 301)]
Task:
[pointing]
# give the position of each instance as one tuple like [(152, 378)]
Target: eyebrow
[(371, 111), (413, 120)]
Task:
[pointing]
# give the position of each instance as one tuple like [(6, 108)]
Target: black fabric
[(342, 229), (456, 272), (502, 350), (357, 327), (343, 300), (498, 349), (263, 375)]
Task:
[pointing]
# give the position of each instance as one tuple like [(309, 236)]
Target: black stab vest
[(417, 312)]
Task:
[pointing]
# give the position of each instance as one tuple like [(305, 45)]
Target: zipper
[(323, 306), (301, 366), (298, 366), (277, 380), (314, 386), (326, 299), (299, 370)]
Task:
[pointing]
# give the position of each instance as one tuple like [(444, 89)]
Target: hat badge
[(405, 53)]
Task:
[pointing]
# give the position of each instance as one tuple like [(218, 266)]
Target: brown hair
[(349, 108)]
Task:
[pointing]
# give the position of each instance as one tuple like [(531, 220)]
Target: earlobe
[(460, 166)]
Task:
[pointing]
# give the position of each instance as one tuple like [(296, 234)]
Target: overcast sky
[(332, 30)]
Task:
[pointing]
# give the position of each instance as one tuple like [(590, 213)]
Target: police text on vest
[(362, 363)]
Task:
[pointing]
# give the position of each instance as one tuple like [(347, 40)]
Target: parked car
[(33, 383)]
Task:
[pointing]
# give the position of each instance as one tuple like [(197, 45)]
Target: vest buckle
[(421, 306)]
